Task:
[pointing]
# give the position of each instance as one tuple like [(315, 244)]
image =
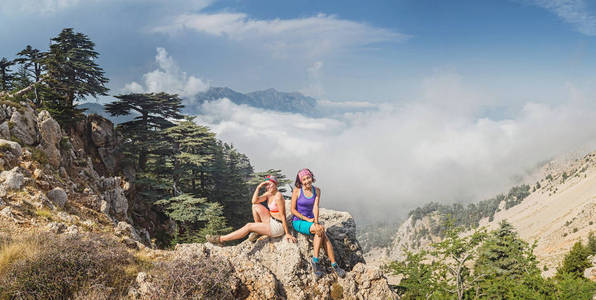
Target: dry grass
[(44, 213), (47, 266), (207, 278), (11, 251)]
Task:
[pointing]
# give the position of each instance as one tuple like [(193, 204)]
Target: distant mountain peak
[(270, 98)]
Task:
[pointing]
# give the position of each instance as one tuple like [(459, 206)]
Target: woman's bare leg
[(260, 228), (260, 213), (316, 243), (329, 248)]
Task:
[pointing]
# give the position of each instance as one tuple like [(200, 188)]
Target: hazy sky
[(468, 94)]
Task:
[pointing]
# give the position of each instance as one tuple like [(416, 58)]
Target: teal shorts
[(302, 226)]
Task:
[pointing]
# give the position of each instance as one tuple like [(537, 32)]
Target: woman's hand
[(290, 238), (319, 228), (262, 184)]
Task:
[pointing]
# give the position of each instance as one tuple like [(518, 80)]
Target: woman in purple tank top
[(305, 208)]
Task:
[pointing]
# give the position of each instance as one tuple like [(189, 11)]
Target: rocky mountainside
[(59, 186), (560, 210)]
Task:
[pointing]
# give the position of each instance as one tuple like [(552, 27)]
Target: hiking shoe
[(339, 271), (253, 237), (316, 269), (213, 239)]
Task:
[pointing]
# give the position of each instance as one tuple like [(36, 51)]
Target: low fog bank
[(379, 164)]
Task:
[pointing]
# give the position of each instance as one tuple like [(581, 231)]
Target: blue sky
[(468, 96), (366, 50)]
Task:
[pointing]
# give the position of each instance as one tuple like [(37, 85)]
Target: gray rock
[(12, 180), (56, 227), (50, 133), (40, 201), (124, 229), (24, 126), (13, 148), (102, 131), (72, 230), (7, 212), (104, 207), (6, 111), (4, 130), (58, 197), (108, 157), (113, 194)]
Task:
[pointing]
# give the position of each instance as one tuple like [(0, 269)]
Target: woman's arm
[(281, 204), (315, 207), (255, 196), (293, 209)]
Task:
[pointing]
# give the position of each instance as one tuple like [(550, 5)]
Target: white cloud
[(382, 163), (311, 36), (36, 6), (47, 7), (167, 78), (574, 12), (315, 87)]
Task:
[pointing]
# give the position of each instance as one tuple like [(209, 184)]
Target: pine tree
[(229, 175), (194, 216), (31, 61), (592, 243), (5, 74), (193, 148), (72, 75), (453, 254), (418, 277), (154, 110), (575, 262), (507, 266)]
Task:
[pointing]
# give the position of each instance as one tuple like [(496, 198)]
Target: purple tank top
[(304, 205)]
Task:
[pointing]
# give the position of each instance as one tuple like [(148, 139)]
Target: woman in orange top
[(270, 222)]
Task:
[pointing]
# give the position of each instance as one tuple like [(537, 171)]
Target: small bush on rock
[(203, 278), (56, 267)]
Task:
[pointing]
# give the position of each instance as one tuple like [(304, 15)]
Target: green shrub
[(39, 156)]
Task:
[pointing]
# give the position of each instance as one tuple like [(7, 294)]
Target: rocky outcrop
[(50, 136), (104, 140), (414, 235), (114, 202), (273, 268), (11, 153), (23, 125)]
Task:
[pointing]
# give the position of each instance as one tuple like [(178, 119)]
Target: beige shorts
[(276, 226)]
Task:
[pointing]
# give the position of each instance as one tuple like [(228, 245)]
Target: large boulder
[(11, 153), (58, 197), (23, 126), (10, 180), (103, 136), (113, 194), (51, 134), (4, 130), (274, 268)]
